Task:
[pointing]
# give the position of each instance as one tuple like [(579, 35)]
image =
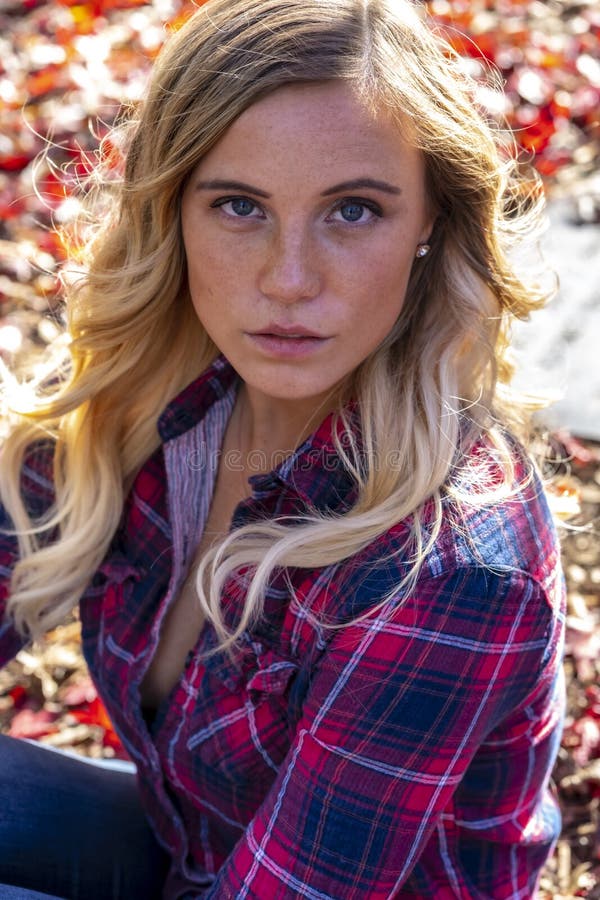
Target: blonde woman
[(318, 580)]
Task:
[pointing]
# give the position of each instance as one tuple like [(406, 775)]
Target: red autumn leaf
[(29, 723), (14, 162), (576, 451), (18, 695), (588, 732), (83, 692), (50, 78), (94, 713)]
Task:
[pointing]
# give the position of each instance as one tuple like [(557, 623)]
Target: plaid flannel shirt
[(407, 755)]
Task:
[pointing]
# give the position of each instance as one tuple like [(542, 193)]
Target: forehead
[(316, 128)]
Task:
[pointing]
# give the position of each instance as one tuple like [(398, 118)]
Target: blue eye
[(352, 212), (356, 211), (236, 207), (241, 206)]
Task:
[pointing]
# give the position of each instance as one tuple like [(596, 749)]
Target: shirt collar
[(314, 472), (194, 401)]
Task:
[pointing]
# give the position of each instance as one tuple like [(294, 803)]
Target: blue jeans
[(9, 892), (72, 830)]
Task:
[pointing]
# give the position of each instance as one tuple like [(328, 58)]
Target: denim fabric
[(72, 830), (8, 892)]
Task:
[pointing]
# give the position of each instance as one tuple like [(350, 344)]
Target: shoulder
[(495, 551), (507, 528)]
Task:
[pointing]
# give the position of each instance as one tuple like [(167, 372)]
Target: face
[(300, 229)]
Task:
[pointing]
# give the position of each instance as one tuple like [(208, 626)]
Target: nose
[(291, 269)]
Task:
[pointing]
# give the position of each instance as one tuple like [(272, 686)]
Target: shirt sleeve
[(38, 494), (10, 641), (398, 707)]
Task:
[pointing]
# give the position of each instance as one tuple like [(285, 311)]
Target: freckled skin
[(337, 265)]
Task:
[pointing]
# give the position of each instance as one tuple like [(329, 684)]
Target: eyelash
[(357, 201), (344, 201)]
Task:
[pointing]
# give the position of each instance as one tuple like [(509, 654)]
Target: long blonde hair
[(438, 381)]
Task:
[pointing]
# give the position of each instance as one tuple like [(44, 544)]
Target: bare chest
[(184, 619)]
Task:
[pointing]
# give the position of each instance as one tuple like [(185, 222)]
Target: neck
[(272, 428)]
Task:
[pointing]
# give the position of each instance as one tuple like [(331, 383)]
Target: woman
[(317, 576)]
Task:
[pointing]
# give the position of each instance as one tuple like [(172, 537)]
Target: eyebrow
[(219, 184), (362, 183), (223, 185)]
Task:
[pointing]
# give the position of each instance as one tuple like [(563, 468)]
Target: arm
[(10, 641), (38, 494), (396, 711)]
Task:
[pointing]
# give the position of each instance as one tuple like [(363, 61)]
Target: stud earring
[(422, 250)]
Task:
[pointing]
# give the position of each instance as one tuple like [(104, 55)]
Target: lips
[(287, 343), (291, 331)]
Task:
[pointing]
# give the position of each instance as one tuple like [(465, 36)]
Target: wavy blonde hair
[(438, 381)]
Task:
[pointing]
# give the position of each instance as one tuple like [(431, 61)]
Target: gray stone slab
[(559, 349)]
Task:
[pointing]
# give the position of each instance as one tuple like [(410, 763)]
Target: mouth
[(293, 332), (279, 342)]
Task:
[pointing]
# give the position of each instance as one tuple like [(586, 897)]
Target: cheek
[(216, 269), (384, 290), (383, 306), (206, 277), (201, 283)]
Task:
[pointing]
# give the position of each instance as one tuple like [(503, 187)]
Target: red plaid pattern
[(404, 756)]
